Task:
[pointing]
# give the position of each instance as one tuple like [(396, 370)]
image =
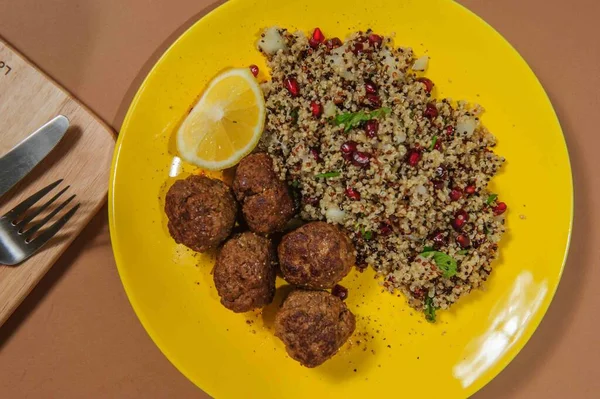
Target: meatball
[(317, 255), (201, 212), (244, 273), (313, 325), (266, 201)]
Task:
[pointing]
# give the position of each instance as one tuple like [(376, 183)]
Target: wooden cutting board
[(28, 99)]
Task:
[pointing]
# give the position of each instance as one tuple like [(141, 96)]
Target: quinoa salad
[(357, 131)]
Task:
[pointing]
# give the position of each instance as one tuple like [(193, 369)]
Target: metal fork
[(18, 241)]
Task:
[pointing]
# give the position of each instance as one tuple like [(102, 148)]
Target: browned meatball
[(313, 325), (266, 201), (317, 255), (244, 273), (201, 212)]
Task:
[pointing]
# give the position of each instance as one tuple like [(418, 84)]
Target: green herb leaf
[(486, 230), (295, 183), (491, 198), (433, 141), (443, 261), (294, 115), (367, 235), (429, 310), (353, 119), (463, 252), (427, 249), (328, 175)]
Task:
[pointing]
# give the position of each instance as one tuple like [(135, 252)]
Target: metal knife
[(20, 160)]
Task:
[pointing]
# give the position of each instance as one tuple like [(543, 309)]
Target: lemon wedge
[(226, 123)]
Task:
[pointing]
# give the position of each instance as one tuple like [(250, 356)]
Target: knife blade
[(22, 158)]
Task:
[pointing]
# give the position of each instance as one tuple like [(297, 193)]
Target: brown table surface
[(76, 334)]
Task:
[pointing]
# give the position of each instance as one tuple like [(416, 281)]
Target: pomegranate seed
[(340, 292), (438, 184), (332, 43), (463, 241), (315, 153), (292, 85), (316, 109), (428, 84), (460, 219), (361, 159), (375, 40), (311, 200), (449, 130), (470, 189), (370, 87), (349, 147), (352, 194), (431, 111), (439, 239), (438, 145), (372, 127), (374, 100), (254, 70), (500, 208), (385, 229), (414, 157), (455, 194), (316, 39), (359, 48)]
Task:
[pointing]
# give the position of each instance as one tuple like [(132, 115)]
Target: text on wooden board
[(4, 67)]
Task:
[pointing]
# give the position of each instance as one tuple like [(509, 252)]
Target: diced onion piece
[(421, 63), (329, 109), (335, 214), (272, 41), (466, 125), (339, 65)]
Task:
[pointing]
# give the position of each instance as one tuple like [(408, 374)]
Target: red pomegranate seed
[(500, 208), (414, 157), (317, 38), (374, 100), (316, 109), (332, 43), (431, 111), (340, 292), (460, 219), (361, 159), (352, 194), (375, 40), (254, 70), (428, 84), (315, 154), (314, 201), (385, 229), (359, 48), (438, 145), (455, 194), (439, 239), (372, 127), (349, 147), (470, 189), (438, 184), (292, 85), (449, 130), (370, 87), (463, 241)]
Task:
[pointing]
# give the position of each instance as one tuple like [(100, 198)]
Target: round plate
[(394, 349)]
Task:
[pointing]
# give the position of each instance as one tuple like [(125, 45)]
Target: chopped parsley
[(429, 310), (328, 175), (294, 115), (491, 198), (295, 183), (353, 119), (444, 262), (463, 252), (366, 235), (433, 142)]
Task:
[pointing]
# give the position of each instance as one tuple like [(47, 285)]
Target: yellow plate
[(394, 351)]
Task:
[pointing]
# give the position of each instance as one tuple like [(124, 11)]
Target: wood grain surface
[(28, 99), (76, 336)]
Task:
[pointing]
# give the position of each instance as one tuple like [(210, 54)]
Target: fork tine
[(29, 218), (52, 230), (31, 231), (26, 204)]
